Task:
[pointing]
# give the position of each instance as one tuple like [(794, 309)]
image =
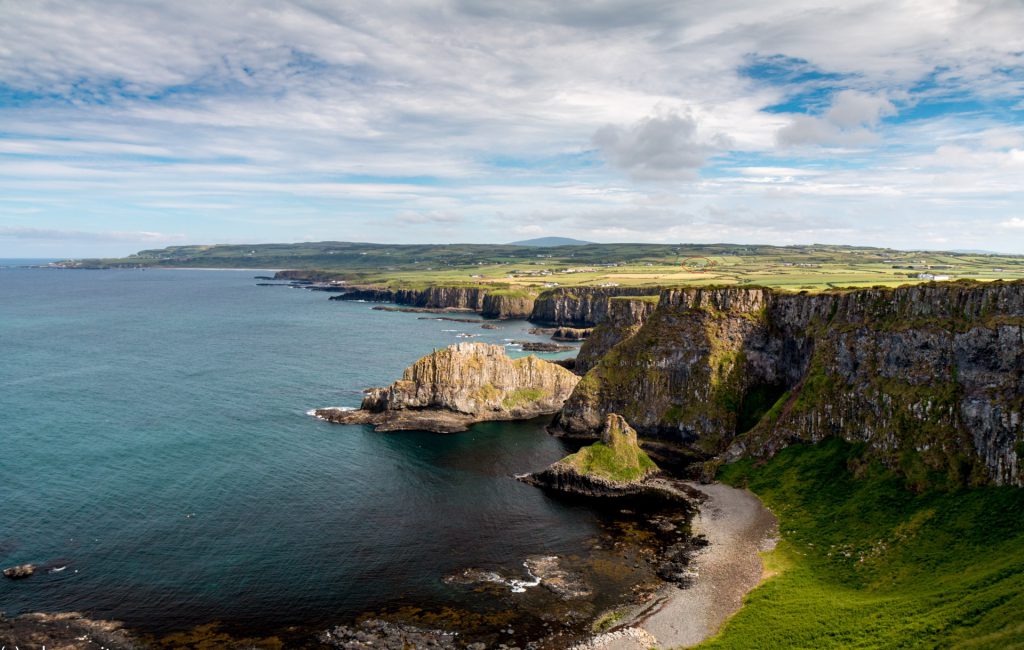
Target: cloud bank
[(462, 120)]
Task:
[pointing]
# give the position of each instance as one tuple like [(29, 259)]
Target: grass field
[(789, 267), (864, 562)]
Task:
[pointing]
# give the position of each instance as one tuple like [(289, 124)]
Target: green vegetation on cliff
[(866, 562), (617, 457)]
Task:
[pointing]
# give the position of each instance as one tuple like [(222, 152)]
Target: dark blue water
[(154, 440)]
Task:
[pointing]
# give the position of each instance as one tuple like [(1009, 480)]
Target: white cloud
[(211, 117), (659, 147), (850, 120), (852, 109)]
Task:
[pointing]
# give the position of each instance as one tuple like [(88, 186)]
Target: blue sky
[(130, 125)]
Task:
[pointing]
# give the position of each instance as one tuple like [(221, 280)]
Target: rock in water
[(571, 333), (450, 389), (614, 466), (19, 572)]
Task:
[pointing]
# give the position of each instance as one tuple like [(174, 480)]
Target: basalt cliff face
[(929, 377), (624, 318), (468, 298), (450, 389), (581, 307)]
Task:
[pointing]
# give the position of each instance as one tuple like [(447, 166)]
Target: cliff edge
[(929, 377), (462, 384)]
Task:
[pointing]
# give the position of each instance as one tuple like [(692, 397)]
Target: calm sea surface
[(154, 441)]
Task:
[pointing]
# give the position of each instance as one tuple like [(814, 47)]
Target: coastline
[(738, 528)]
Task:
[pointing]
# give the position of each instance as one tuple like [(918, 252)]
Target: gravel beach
[(737, 527)]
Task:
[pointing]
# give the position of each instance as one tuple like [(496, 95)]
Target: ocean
[(159, 464)]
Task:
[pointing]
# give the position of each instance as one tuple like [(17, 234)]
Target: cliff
[(623, 319), (450, 389), (613, 466), (468, 298), (929, 377), (508, 304), (580, 307)]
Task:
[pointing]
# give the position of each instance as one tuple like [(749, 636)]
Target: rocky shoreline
[(452, 388)]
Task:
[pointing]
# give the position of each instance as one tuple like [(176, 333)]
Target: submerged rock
[(540, 346), (544, 571), (20, 571), (376, 633), (450, 389)]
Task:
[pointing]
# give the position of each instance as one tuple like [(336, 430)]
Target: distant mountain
[(551, 241)]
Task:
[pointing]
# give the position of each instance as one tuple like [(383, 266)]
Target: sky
[(134, 125)]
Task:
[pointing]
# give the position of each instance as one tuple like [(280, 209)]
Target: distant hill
[(551, 241)]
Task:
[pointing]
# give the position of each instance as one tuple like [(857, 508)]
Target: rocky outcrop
[(580, 306), (67, 631), (929, 377), (571, 333), (386, 635), (19, 572), (508, 304), (625, 317), (450, 389), (614, 466)]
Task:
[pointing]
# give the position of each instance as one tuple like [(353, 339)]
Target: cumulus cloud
[(660, 147), (1014, 223), (850, 120)]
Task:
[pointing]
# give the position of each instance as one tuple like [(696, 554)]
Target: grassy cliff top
[(811, 267)]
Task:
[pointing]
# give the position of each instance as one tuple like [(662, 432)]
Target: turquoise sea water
[(155, 443)]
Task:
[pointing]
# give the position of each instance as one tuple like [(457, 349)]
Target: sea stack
[(613, 466), (450, 389)]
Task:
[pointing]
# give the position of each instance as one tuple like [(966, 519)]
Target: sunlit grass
[(866, 563)]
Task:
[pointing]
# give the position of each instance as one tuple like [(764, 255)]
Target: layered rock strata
[(579, 307), (929, 377), (450, 389)]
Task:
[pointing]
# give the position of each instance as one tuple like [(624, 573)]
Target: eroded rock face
[(624, 318), (930, 377), (580, 306), (571, 333), (612, 467), (469, 298), (450, 389)]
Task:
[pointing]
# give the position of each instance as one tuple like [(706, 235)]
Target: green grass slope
[(864, 562)]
